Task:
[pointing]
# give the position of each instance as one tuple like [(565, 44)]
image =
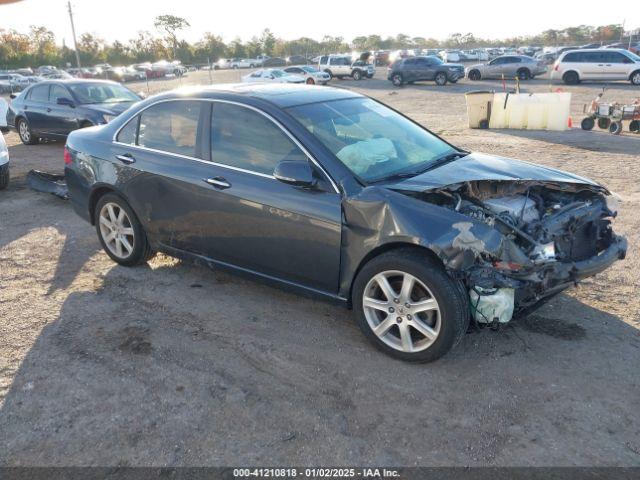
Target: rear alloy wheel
[(409, 307), (587, 123), (119, 231), (615, 128), (474, 75), (441, 78), (357, 75), (310, 81), (397, 80), (571, 78), (635, 78), (524, 74), (26, 135)]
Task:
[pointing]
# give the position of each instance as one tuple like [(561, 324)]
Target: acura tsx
[(331, 193)]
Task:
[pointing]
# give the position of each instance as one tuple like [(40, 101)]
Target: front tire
[(26, 135), (604, 123), (120, 232), (356, 75), (441, 79), (474, 75), (615, 128), (524, 74), (310, 81), (635, 78), (408, 307), (397, 80)]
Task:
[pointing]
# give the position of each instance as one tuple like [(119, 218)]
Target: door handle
[(126, 158), (218, 182)]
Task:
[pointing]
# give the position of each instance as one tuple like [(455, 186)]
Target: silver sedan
[(510, 66)]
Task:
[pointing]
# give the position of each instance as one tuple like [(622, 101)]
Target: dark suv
[(414, 69)]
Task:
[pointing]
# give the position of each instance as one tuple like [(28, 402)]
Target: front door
[(62, 118)]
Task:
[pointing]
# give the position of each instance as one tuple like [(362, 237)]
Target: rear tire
[(604, 123), (635, 78), (634, 126), (474, 75), (4, 176), (26, 135), (445, 321), (310, 81), (615, 128), (441, 79), (109, 208), (587, 123), (571, 78)]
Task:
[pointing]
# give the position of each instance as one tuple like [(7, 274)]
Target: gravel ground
[(174, 364)]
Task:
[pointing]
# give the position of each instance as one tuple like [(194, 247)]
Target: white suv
[(602, 64)]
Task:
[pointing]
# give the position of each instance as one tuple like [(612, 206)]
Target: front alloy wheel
[(401, 311), (635, 78), (441, 78), (408, 306), (397, 80)]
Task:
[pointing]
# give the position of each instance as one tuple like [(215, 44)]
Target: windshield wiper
[(449, 157)]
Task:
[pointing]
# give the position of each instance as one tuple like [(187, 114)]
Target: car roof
[(76, 81), (282, 95)]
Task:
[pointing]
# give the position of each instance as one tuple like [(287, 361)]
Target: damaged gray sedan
[(332, 194)]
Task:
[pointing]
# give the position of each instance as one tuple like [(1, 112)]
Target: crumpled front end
[(543, 238)]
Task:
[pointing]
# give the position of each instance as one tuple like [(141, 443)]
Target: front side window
[(373, 141), (246, 139), (171, 127), (57, 92)]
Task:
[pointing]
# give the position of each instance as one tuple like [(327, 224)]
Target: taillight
[(67, 157), (556, 67)]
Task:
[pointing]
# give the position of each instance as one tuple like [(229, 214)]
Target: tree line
[(39, 46)]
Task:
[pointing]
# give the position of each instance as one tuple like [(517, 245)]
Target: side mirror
[(13, 96), (271, 77), (65, 101), (142, 95), (295, 172)]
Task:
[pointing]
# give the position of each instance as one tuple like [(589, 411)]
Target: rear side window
[(129, 133), (573, 57), (39, 93), (593, 57), (243, 138), (171, 127)]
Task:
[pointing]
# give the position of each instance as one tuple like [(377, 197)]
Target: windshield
[(278, 73), (102, 93), (633, 56), (310, 69), (373, 141)]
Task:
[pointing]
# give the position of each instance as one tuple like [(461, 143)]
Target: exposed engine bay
[(557, 233)]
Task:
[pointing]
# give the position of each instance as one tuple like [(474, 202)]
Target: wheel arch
[(97, 192), (385, 248), (572, 70), (637, 70)]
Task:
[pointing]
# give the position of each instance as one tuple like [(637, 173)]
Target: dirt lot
[(174, 364)]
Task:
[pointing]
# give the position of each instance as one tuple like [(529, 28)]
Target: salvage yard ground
[(175, 364)]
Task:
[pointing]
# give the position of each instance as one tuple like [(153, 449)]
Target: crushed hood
[(479, 167)]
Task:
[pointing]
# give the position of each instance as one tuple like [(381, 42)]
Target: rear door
[(35, 105), (510, 66), (62, 118)]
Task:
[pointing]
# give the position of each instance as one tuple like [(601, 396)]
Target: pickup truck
[(341, 66), (244, 63)]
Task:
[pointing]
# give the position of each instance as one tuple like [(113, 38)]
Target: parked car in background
[(52, 109), (4, 158), (297, 60), (633, 47), (416, 69), (272, 75), (601, 64), (243, 63), (4, 109), (57, 75), (311, 75), (16, 81), (546, 58), (522, 66), (342, 66), (328, 192), (382, 57), (274, 62), (449, 56)]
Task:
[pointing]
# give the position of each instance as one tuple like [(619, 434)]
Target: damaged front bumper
[(535, 283)]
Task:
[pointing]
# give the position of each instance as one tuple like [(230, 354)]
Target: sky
[(289, 19)]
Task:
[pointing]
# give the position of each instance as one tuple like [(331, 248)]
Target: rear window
[(170, 127), (39, 93)]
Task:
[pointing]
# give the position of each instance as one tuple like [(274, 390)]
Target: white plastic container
[(538, 111), (492, 304)]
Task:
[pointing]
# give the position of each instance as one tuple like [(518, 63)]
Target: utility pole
[(73, 31)]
